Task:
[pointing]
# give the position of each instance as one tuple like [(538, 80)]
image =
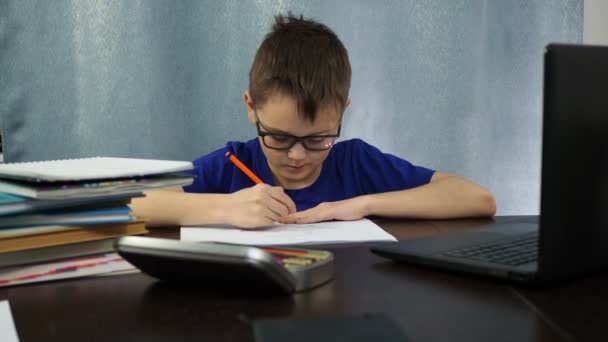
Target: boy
[(298, 91)]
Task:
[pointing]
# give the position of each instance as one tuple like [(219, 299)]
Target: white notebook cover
[(90, 168)]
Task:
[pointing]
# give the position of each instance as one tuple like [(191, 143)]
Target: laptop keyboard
[(517, 251)]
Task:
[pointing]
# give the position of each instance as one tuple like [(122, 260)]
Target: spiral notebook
[(91, 188), (67, 170)]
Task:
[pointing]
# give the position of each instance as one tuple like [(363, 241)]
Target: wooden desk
[(429, 305)]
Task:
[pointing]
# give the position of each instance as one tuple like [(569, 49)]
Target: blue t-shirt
[(352, 168)]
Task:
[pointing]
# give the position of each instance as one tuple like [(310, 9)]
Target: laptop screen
[(574, 185)]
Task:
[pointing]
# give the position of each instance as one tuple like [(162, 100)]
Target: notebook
[(90, 169), (71, 235), (94, 188), (56, 252), (572, 235), (28, 205), (8, 199), (61, 217), (87, 266)]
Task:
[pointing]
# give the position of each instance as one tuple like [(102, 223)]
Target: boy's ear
[(249, 105)]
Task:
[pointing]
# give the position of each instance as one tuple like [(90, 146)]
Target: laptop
[(571, 237)]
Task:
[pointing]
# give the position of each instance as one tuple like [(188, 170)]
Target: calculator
[(274, 269)]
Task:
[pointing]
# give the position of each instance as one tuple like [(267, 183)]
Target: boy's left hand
[(346, 210)]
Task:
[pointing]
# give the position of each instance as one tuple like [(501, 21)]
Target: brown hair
[(303, 59)]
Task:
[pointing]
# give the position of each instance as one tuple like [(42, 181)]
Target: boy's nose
[(297, 152)]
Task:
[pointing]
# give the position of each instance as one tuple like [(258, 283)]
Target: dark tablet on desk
[(227, 266), (352, 328)]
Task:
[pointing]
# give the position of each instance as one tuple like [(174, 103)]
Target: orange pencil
[(243, 168)]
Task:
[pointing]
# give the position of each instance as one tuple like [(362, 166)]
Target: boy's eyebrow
[(279, 131), (273, 130)]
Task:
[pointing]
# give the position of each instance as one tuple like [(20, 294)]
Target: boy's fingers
[(320, 213), (282, 197), (271, 216), (291, 206), (309, 216), (310, 219), (278, 208), (288, 219)]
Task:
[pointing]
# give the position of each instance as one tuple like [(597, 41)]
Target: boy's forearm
[(172, 208), (452, 197)]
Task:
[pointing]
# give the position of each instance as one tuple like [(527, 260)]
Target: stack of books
[(61, 209)]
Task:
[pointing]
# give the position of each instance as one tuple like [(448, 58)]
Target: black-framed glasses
[(284, 142)]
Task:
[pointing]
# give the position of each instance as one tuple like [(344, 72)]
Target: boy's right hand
[(259, 206)]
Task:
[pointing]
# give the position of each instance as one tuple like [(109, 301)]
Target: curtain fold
[(454, 85)]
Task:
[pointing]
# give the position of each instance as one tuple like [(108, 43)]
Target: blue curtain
[(450, 84)]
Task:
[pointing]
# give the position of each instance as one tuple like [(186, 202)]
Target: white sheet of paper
[(7, 325), (291, 234)]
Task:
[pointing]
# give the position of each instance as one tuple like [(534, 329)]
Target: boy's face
[(296, 167)]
